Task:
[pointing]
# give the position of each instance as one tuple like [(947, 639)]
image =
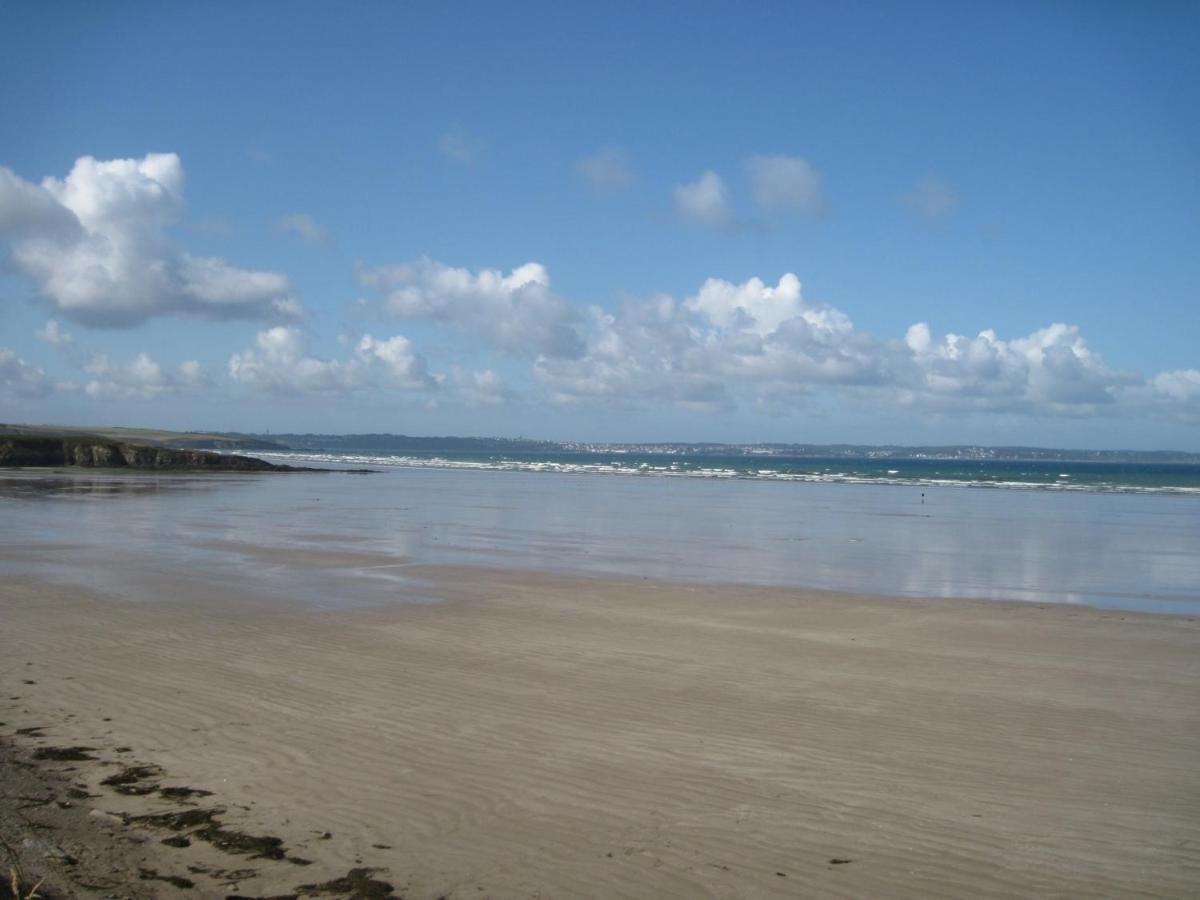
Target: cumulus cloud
[(756, 306), (398, 359), (95, 243), (474, 389), (1049, 370), (306, 228), (768, 346), (704, 201), (141, 378), (516, 313), (19, 378), (607, 170), (31, 210), (645, 354), (724, 341), (786, 184), (52, 333), (930, 197), (193, 375), (1175, 393), (756, 343), (280, 363), (1182, 385)]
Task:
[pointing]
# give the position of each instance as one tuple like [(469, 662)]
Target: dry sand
[(545, 736)]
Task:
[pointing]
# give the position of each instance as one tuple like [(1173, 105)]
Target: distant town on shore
[(267, 442), (399, 443)]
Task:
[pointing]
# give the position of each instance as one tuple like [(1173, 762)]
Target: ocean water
[(1132, 478), (336, 538)]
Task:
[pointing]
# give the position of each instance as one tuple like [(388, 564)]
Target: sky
[(912, 223)]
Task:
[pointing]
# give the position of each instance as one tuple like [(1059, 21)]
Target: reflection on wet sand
[(58, 483), (332, 540)]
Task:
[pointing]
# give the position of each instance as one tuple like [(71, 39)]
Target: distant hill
[(180, 440), (403, 443)]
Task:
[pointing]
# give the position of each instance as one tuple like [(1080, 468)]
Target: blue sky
[(915, 223)]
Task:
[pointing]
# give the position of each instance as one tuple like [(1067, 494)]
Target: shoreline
[(592, 737)]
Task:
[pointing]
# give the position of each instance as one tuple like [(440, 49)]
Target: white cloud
[(460, 147), (517, 312), (1182, 385), (725, 341), (19, 378), (476, 389), (704, 201), (786, 184), (95, 244), (759, 307), (1049, 370), (52, 333), (1175, 393), (306, 228), (28, 209), (192, 374), (397, 357), (930, 197), (140, 378), (280, 364), (769, 347), (606, 170), (645, 355)]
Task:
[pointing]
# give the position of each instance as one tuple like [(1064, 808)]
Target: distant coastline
[(403, 443), (399, 443)]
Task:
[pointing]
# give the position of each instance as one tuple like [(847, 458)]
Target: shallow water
[(337, 538), (996, 474)]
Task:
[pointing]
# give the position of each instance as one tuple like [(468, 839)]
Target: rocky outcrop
[(101, 454)]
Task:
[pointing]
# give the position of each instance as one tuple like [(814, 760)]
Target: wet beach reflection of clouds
[(330, 540)]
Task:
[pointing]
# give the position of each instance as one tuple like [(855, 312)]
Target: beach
[(495, 452), (302, 694), (542, 735)]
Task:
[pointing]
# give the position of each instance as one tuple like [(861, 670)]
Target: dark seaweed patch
[(131, 780), (177, 821), (183, 793), (64, 754), (357, 884), (238, 842), (173, 880)]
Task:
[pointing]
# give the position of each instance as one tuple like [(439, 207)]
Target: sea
[(1118, 477), (1123, 537)]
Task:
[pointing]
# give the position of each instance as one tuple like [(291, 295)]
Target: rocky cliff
[(101, 454)]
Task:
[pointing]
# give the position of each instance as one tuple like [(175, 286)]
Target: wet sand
[(539, 735)]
